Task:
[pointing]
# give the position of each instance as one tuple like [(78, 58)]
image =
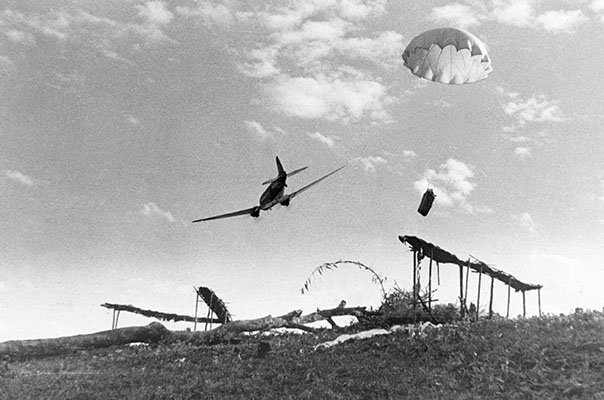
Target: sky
[(123, 121)]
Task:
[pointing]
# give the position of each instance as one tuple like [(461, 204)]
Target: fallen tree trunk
[(156, 332)]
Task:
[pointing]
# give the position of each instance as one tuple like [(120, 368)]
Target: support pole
[(196, 308), (113, 320), (414, 276), (478, 299), (430, 282), (491, 299), (465, 296), (438, 272), (507, 314), (117, 317), (210, 313), (539, 300), (523, 304), (462, 305)]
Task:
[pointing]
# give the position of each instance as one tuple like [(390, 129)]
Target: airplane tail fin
[(282, 173), (280, 168)]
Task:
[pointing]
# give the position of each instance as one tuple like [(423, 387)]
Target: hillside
[(553, 357)]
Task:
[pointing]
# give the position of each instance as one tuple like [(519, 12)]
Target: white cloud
[(313, 59), (461, 15), (330, 97), (132, 119), (451, 184), (521, 13), (370, 163), (152, 209), (326, 140), (409, 154), (513, 12), (18, 36), (597, 6), (526, 221), (18, 177), (256, 129), (155, 12), (561, 20), (535, 109), (98, 32), (523, 152)]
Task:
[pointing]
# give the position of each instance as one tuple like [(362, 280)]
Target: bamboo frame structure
[(421, 248)]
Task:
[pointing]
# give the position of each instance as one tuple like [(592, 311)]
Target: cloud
[(335, 97), (536, 109), (209, 14), (326, 140), (523, 152), (462, 15), (104, 34), (152, 209), (156, 13), (18, 177), (314, 61), (561, 21), (132, 120), (597, 6), (451, 184), (526, 221), (513, 12), (370, 163), (257, 130), (521, 13)]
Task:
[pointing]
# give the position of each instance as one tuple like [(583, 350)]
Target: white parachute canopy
[(448, 55)]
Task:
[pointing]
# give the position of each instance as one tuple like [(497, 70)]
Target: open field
[(553, 357)]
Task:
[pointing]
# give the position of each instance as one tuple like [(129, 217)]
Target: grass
[(553, 357)]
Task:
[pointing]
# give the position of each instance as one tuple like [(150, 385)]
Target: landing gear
[(255, 213), (285, 203)]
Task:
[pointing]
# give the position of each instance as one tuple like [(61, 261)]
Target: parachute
[(448, 55)]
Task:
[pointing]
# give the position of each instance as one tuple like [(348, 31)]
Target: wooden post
[(113, 319), (478, 299), (462, 305), (414, 276), (117, 317), (539, 300), (465, 296), (507, 314), (210, 312), (430, 282), (491, 299), (523, 304), (438, 272), (196, 308)]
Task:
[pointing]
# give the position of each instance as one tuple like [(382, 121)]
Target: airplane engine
[(285, 203)]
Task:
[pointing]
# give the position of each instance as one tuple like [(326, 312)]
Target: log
[(152, 333), (156, 332)]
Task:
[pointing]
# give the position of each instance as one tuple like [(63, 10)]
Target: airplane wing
[(247, 211), (290, 196)]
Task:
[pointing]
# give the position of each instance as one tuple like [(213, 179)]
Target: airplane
[(273, 195)]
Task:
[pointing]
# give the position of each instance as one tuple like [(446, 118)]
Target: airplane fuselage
[(272, 194)]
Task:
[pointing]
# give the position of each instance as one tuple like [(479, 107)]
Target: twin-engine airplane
[(273, 195)]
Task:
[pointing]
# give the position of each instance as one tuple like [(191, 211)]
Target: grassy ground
[(541, 358)]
